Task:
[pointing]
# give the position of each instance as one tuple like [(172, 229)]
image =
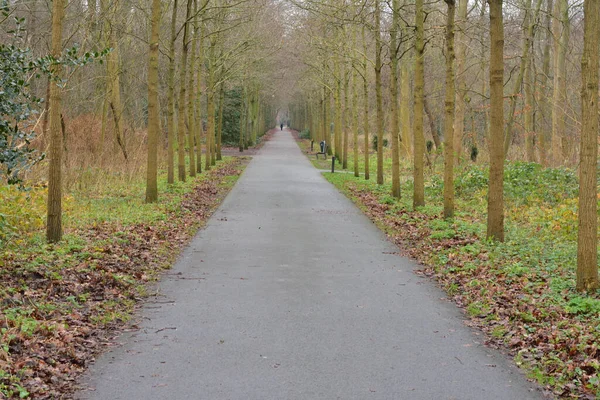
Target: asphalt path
[(290, 292)]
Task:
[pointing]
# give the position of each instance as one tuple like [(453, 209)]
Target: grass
[(520, 292)]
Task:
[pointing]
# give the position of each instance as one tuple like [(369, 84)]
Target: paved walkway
[(292, 293)]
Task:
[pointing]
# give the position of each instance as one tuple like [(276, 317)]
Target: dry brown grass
[(91, 160)]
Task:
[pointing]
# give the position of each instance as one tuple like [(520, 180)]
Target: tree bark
[(54, 214), (337, 98), (182, 103), (365, 103), (199, 127), (587, 237), (529, 108), (449, 115), (395, 119), (545, 90), (220, 119), (153, 111), (171, 99), (419, 142), (191, 94), (378, 94), (560, 31), (354, 109), (113, 84), (435, 135), (242, 120), (210, 106), (346, 117), (405, 109), (495, 218), (461, 85)]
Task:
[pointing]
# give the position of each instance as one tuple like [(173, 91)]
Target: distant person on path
[(281, 126)]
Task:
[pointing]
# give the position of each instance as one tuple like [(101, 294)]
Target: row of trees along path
[(510, 86), (512, 72)]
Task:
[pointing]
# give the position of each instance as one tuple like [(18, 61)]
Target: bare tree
[(153, 111), (495, 209), (394, 111), (54, 216), (419, 141), (449, 115), (587, 236)]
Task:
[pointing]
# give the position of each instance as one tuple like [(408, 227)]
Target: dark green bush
[(385, 142), (231, 117), (305, 134)]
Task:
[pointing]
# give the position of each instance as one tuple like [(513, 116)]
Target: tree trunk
[(587, 236), (495, 219), (54, 215), (220, 119), (153, 117), (545, 90), (324, 119), (485, 114), (529, 107), (346, 117), (395, 120), (528, 26), (337, 98), (182, 104), (46, 118), (199, 127), (405, 109), (419, 142), (354, 109), (560, 30), (433, 127), (242, 120), (113, 73), (378, 95), (171, 99), (210, 106), (191, 94), (365, 103), (330, 133), (449, 115), (246, 118), (254, 116), (461, 85), (103, 122)]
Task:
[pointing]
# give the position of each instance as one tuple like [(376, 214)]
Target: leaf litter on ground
[(61, 305), (525, 303)]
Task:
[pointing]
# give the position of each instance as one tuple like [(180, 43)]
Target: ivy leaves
[(19, 108)]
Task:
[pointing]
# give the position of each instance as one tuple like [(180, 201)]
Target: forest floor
[(61, 305), (521, 293)]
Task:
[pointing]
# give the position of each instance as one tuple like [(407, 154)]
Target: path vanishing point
[(290, 292)]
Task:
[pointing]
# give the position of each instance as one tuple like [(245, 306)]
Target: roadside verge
[(63, 304)]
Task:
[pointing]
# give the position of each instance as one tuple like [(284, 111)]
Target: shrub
[(305, 134), (21, 212), (385, 142)]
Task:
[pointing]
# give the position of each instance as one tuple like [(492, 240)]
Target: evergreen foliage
[(231, 116), (19, 108), (17, 105)]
